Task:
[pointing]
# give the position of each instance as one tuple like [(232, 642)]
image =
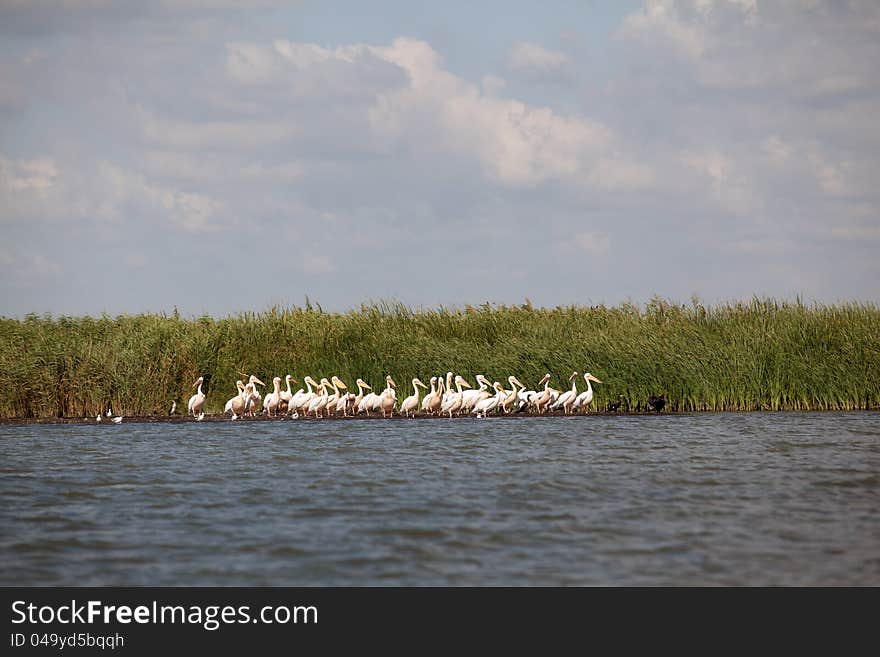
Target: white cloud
[(536, 62), (22, 175)]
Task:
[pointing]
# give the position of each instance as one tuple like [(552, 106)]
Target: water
[(724, 499)]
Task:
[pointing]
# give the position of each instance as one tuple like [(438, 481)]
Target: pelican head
[(544, 379), (308, 379), (460, 381), (363, 384), (254, 379), (417, 382), (338, 382), (512, 380), (277, 379), (390, 381), (573, 376), (590, 377), (198, 381)]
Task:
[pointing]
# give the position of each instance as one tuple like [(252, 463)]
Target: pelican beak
[(340, 384), (593, 378)]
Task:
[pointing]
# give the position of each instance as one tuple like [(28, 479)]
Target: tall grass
[(762, 354)]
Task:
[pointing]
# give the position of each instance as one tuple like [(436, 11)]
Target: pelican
[(333, 401), (197, 400), (584, 399), (236, 404), (319, 403), (361, 385), (98, 418), (448, 392), (286, 395), (273, 399), (543, 398), (427, 399), (513, 395), (388, 398), (411, 403), (302, 398), (453, 401), (484, 406), (369, 402), (200, 416), (109, 411), (254, 398), (566, 399), (469, 398), (173, 408), (437, 400), (117, 419)]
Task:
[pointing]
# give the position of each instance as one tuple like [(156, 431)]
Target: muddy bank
[(221, 417)]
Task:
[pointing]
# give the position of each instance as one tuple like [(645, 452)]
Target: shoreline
[(222, 417)]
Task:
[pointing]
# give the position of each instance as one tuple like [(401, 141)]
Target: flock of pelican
[(449, 396)]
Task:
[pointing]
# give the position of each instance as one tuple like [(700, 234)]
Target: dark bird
[(657, 403), (613, 406)]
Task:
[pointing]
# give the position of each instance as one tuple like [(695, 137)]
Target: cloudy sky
[(231, 155)]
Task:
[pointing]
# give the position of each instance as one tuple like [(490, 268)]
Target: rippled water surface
[(671, 500)]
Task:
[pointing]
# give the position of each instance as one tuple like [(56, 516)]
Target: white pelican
[(584, 399), (528, 397), (236, 404), (117, 419), (427, 399), (254, 399), (543, 398), (200, 416), (362, 385), (109, 411), (448, 392), (196, 402), (411, 403), (173, 408), (437, 400), (513, 395), (484, 406), (334, 399), (453, 401), (273, 399), (469, 398), (98, 418), (369, 402), (302, 398), (319, 403), (566, 399), (286, 395), (388, 398)]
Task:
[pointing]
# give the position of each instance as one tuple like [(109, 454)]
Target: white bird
[(236, 404), (98, 419), (117, 419), (286, 395), (566, 399), (301, 398), (411, 403), (428, 398), (469, 398), (273, 399), (173, 408), (319, 402), (452, 403), (200, 416), (489, 404), (254, 398), (197, 400), (511, 398), (333, 400), (584, 399), (109, 411), (388, 398)]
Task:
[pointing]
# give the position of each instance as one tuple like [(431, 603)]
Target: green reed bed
[(762, 354)]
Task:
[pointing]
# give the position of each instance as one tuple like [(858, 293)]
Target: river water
[(708, 499)]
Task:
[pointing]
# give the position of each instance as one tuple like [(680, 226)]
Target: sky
[(228, 156)]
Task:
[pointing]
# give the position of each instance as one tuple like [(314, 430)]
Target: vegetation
[(763, 354)]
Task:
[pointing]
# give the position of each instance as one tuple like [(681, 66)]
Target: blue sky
[(226, 156)]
